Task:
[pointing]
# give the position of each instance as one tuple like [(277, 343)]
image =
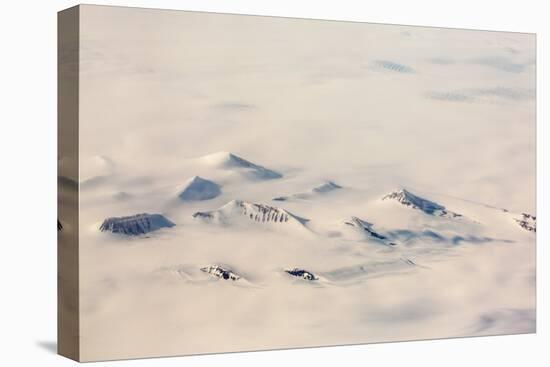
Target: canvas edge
[(68, 287), (68, 305)]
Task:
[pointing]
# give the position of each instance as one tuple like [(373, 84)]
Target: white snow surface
[(293, 104)]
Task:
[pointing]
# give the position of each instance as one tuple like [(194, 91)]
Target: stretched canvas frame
[(234, 183)]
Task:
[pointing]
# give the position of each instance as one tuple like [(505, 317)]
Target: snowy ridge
[(366, 227), (407, 198), (258, 213), (324, 188), (135, 225), (231, 161)]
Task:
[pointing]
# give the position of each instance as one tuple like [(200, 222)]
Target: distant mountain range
[(238, 213)]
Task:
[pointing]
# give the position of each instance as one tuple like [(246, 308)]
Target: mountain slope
[(198, 188)]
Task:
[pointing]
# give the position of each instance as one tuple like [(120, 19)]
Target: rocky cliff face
[(135, 225)]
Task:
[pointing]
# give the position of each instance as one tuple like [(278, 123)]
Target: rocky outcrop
[(135, 225), (301, 273), (527, 222), (219, 272)]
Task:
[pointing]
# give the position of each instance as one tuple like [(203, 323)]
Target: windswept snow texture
[(416, 202), (371, 268), (391, 66), (198, 189), (135, 225), (319, 126), (324, 188), (231, 161)]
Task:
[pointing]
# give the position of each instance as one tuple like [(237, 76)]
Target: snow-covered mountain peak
[(229, 160), (218, 158), (198, 188)]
